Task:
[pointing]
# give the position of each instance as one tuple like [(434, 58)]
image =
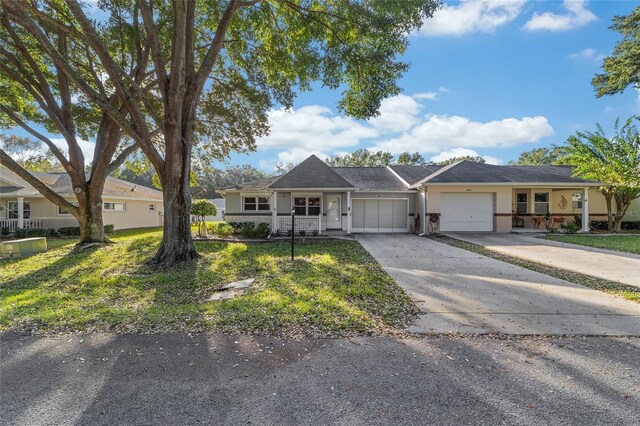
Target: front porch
[(538, 208)]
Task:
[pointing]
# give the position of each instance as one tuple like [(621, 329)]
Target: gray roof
[(473, 172), (311, 173), (260, 184), (371, 178), (61, 183), (413, 174)]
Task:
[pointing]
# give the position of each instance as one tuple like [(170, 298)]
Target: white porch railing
[(302, 223), (12, 224)]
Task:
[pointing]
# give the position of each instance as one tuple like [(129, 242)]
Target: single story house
[(125, 205), (464, 196)]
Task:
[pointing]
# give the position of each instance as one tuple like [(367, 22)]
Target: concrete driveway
[(463, 292), (606, 264)]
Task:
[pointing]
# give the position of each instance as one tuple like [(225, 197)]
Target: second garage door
[(379, 215), (466, 212)]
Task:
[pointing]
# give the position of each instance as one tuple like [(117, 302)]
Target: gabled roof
[(413, 174), (311, 173), (371, 178), (474, 172), (61, 183)]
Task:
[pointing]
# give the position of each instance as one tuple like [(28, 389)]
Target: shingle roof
[(371, 178), (473, 172), (413, 174), (61, 183), (259, 184), (311, 173)]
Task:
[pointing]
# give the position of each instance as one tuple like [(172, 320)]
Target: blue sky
[(490, 78)]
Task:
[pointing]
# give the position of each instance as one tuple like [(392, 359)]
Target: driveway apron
[(464, 292)]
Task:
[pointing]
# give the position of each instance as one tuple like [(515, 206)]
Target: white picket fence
[(12, 224)]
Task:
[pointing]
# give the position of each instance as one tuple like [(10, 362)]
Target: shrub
[(570, 228), (601, 225), (39, 232), (20, 233), (108, 229), (221, 229), (315, 232), (261, 231), (69, 231), (5, 231), (302, 232)]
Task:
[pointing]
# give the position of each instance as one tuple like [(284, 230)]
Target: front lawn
[(626, 243), (333, 288)]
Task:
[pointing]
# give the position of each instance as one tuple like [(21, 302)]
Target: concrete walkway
[(601, 263), (463, 292)]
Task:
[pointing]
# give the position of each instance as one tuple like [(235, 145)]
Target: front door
[(334, 216)]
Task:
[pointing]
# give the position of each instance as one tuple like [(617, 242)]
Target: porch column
[(423, 219), (348, 212), (585, 210), (21, 212), (274, 212), (321, 211)]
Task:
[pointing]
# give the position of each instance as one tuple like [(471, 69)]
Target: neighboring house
[(465, 196), (125, 204)]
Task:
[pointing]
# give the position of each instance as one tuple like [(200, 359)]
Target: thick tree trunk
[(177, 244), (90, 218)]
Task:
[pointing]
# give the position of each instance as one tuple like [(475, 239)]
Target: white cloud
[(442, 132), (463, 152), (577, 16), (311, 127), (443, 90), (472, 16), (432, 96), (397, 114), (86, 147), (584, 54)]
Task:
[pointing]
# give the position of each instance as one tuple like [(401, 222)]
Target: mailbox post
[(293, 229)]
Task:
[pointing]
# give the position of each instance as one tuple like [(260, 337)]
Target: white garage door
[(466, 212), (379, 215)]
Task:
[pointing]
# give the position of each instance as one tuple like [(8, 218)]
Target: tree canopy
[(542, 156), (613, 161), (452, 160), (205, 74), (622, 67)]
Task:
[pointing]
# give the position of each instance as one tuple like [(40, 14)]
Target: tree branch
[(159, 62), (120, 159), (54, 149)]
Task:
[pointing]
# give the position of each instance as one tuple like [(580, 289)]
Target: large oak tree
[(38, 96), (216, 67)]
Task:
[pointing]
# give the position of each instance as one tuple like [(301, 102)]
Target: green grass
[(626, 243), (333, 288)]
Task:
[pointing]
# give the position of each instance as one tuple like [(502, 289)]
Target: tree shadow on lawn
[(330, 288)]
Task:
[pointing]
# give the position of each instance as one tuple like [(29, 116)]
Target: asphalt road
[(105, 379)]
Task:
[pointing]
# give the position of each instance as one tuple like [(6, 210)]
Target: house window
[(307, 206), (576, 197), (152, 207), (541, 203), (114, 207), (13, 209), (63, 212), (256, 204), (521, 203)]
